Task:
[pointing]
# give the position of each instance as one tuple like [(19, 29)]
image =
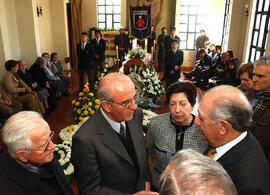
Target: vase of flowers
[(137, 52)]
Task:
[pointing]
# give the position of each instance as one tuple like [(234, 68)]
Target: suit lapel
[(134, 130), (111, 139)]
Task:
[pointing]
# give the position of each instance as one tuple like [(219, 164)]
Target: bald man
[(224, 117), (108, 151)]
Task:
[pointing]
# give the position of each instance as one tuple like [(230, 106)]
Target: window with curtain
[(226, 25), (260, 30), (192, 20), (109, 13)]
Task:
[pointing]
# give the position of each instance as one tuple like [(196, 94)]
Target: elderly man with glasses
[(108, 151), (28, 166)]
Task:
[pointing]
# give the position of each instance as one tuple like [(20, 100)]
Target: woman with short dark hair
[(174, 130)]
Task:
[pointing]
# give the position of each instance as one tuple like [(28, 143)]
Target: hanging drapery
[(76, 30)]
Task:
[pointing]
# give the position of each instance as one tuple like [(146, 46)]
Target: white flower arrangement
[(146, 81), (137, 52), (147, 116)]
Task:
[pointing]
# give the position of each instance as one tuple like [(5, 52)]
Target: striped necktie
[(210, 152), (122, 130)]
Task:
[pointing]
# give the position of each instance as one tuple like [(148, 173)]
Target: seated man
[(189, 172), (224, 118), (205, 60), (28, 166)]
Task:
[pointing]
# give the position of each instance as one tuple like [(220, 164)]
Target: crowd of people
[(223, 150), (36, 88)]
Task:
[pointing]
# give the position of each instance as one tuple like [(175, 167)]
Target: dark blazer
[(172, 59), (15, 179), (248, 167), (38, 74), (99, 48), (118, 41), (102, 164), (168, 41), (85, 55)]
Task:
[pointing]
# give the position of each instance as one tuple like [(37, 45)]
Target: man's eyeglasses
[(43, 146), (126, 103)]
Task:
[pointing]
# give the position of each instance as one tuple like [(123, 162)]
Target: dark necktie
[(211, 152), (122, 130)]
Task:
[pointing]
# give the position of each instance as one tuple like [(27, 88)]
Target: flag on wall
[(140, 22)]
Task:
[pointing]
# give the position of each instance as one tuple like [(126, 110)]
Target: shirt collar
[(115, 125), (221, 150)]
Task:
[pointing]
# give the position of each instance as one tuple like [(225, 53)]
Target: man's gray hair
[(237, 113), (104, 92), (192, 173), (40, 61), (263, 60), (15, 129)]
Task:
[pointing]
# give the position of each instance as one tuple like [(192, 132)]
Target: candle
[(134, 43), (152, 53), (116, 52), (145, 41), (154, 45)]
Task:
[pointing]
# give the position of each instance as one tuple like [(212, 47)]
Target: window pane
[(183, 28), (253, 50), (192, 23), (101, 2), (200, 19), (266, 5), (260, 5), (184, 2), (184, 19), (193, 10), (258, 55), (261, 31), (191, 39), (109, 21), (183, 36), (116, 25), (101, 25), (101, 18), (101, 9), (194, 2), (255, 37), (184, 10), (109, 2), (116, 2), (116, 18), (183, 45), (258, 21), (117, 9), (109, 9)]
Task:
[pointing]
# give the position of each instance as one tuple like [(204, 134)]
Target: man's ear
[(106, 106), (224, 127), (21, 156)]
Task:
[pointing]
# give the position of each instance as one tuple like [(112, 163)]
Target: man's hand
[(96, 56), (34, 85), (172, 72), (146, 193), (48, 85), (28, 89), (176, 67)]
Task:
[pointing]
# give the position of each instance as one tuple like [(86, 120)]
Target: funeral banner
[(140, 22)]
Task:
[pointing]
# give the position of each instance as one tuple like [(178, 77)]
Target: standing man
[(224, 117), (85, 53), (99, 45), (173, 60), (260, 126), (171, 37), (200, 42), (161, 48), (122, 41), (28, 166), (108, 151)]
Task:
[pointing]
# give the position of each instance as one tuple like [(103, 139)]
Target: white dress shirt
[(221, 150)]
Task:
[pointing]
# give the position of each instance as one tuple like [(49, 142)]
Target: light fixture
[(246, 10), (39, 11)]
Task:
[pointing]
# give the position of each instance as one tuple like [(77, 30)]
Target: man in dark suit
[(173, 60), (108, 151), (29, 166), (122, 42), (170, 38), (99, 45), (161, 48), (224, 117), (85, 53)]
